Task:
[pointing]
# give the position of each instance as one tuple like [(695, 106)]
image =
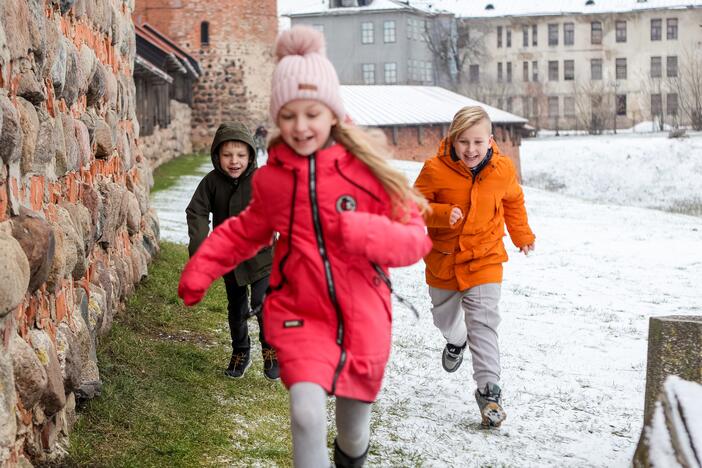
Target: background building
[(376, 42), (589, 64), (416, 118), (233, 42)]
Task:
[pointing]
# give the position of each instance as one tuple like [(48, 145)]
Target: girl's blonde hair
[(370, 147), (466, 118)]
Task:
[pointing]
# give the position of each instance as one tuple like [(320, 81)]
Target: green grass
[(165, 400), (166, 175)]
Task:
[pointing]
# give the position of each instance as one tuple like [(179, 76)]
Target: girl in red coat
[(344, 217)]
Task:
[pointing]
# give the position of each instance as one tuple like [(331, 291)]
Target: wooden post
[(674, 348)]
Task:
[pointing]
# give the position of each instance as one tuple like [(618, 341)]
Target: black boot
[(271, 370), (240, 361), (341, 460)]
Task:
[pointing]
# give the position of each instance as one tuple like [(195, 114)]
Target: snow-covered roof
[(411, 105), (477, 8), (376, 5)]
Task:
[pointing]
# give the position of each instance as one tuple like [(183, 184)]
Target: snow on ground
[(650, 171), (574, 327)]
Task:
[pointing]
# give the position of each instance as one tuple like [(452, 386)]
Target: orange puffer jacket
[(471, 252)]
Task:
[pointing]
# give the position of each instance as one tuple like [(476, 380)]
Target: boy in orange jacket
[(473, 192)]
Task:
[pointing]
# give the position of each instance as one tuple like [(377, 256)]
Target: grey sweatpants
[(308, 418), (474, 315)]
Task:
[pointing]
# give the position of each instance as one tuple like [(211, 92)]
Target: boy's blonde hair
[(370, 147), (466, 118)]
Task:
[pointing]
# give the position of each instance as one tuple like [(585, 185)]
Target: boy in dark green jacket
[(226, 192)]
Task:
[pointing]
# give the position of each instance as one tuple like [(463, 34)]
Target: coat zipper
[(327, 269)]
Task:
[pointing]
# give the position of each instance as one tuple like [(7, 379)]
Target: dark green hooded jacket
[(223, 196)]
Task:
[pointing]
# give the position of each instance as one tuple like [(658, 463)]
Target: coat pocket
[(441, 264)]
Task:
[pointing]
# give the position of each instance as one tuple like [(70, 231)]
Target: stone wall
[(76, 231), (170, 142), (237, 61)]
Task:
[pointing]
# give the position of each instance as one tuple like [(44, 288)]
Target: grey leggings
[(308, 418)]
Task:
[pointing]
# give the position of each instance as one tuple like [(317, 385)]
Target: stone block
[(37, 240), (8, 401), (10, 132), (54, 396), (30, 375), (14, 274)]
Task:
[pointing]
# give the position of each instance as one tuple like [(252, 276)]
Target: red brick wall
[(237, 64), (413, 144)]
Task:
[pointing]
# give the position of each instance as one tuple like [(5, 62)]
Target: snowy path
[(573, 339)]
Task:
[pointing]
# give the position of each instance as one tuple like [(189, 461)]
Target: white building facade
[(595, 66)]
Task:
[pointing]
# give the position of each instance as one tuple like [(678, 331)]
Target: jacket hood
[(233, 131)]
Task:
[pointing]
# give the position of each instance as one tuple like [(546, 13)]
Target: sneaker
[(452, 357), (271, 370), (240, 361), (490, 405)]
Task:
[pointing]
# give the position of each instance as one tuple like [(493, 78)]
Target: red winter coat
[(328, 312)]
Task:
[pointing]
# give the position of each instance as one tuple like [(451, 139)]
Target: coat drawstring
[(388, 283)]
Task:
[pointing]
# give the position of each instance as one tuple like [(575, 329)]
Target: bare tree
[(688, 86), (454, 45), (593, 106)]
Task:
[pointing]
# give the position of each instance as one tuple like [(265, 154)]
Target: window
[(391, 73), (509, 104), (367, 35), (509, 72), (656, 29), (671, 28), (499, 36), (525, 106), (500, 103), (621, 104), (553, 106), (525, 36), (621, 69), (569, 70), (415, 29), (568, 33), (534, 71), (535, 107), (474, 73), (204, 33), (620, 28), (553, 70), (671, 66), (525, 71), (656, 104), (671, 104), (509, 37), (596, 32), (427, 72), (595, 69), (553, 34), (534, 35), (499, 72), (569, 106), (656, 67), (389, 31), (368, 73)]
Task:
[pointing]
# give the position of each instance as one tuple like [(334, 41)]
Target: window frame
[(367, 32), (595, 32), (386, 30)]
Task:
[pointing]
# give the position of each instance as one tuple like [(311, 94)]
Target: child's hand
[(527, 248), (192, 287), (455, 216)]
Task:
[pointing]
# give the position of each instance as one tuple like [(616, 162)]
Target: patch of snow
[(661, 451)]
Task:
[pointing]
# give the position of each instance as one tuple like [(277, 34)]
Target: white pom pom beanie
[(304, 72)]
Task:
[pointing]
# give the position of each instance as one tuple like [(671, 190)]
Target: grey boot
[(341, 460), (489, 401)]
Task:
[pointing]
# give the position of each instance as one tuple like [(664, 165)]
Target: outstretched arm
[(516, 216), (384, 241), (232, 242)]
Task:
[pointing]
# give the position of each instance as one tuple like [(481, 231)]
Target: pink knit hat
[(304, 72)]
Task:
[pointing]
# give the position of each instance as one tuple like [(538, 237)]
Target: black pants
[(239, 310)]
